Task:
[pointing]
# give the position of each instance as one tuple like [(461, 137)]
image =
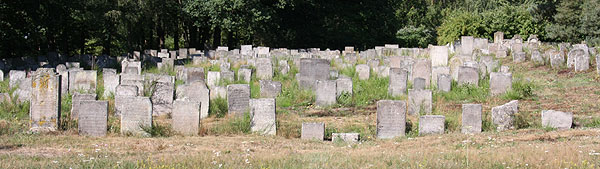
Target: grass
[(66, 123), (158, 130), (467, 93), (232, 125), (218, 107), (521, 89)]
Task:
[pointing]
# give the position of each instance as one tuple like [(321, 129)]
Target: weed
[(218, 107), (521, 90), (66, 120), (526, 120), (467, 93), (233, 125), (345, 99), (158, 130)]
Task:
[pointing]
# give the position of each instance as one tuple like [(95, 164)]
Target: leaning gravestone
[(76, 106), (162, 87), (500, 82), (94, 120), (557, 119), (269, 89), (83, 81), (186, 117), (136, 115), (313, 131), (468, 75), (363, 71), (502, 116), (439, 55), (238, 99), (325, 92), (422, 69), (444, 82), (391, 118), (312, 70), (419, 101), (263, 118), (471, 118), (344, 137), (44, 111), (196, 92), (431, 124), (397, 85), (111, 81), (343, 85), (264, 69)]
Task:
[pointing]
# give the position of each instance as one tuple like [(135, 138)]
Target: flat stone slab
[(391, 118), (345, 137), (503, 116), (263, 119), (343, 85), (422, 69), (44, 111), (264, 69), (471, 118), (313, 131), (196, 92), (363, 71), (269, 89), (431, 124), (444, 82), (398, 79), (186, 117), (468, 75), (557, 119), (76, 106), (94, 120)]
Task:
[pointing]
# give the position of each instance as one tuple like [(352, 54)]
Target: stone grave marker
[(136, 115), (326, 92), (398, 79), (264, 69), (391, 118), (312, 70), (343, 84), (468, 75), (238, 99), (439, 55), (213, 78), (431, 124), (500, 82), (263, 118), (419, 101), (196, 92), (444, 82), (194, 74), (436, 71), (269, 89), (44, 111), (313, 131), (363, 71), (471, 118), (419, 83), (76, 106), (344, 137), (422, 69), (245, 74), (502, 116), (83, 81), (94, 120), (557, 119), (111, 81), (15, 78), (186, 117)]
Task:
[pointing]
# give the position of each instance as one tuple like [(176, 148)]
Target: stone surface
[(76, 106), (313, 131), (284, 67), (467, 45), (136, 114), (498, 37), (262, 112), (444, 82), (557, 119), (398, 79), (471, 118), (556, 59), (536, 57), (196, 92), (44, 111), (325, 92), (500, 82), (502, 116), (311, 70), (227, 75), (238, 99), (519, 57), (582, 59), (83, 81), (110, 80), (218, 92), (391, 118), (439, 55), (436, 71), (94, 120), (245, 74), (363, 71), (264, 69), (431, 124), (344, 137), (213, 78), (186, 117), (194, 74), (343, 84), (24, 90), (419, 102), (468, 75), (15, 78), (418, 83), (422, 69), (163, 90), (269, 89), (126, 90)]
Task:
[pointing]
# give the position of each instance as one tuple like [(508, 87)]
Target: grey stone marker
[(444, 82), (391, 118), (111, 81), (180, 73), (504, 69), (363, 71), (186, 117), (83, 81), (245, 74), (238, 99), (227, 75), (498, 37), (218, 92), (557, 119), (502, 116), (438, 70), (196, 92), (344, 137), (398, 78), (519, 57), (325, 92), (556, 59), (262, 112), (313, 131), (419, 101), (422, 69), (500, 82), (467, 45), (343, 84), (471, 118), (468, 75), (94, 120), (536, 57), (126, 90), (419, 83), (163, 89), (64, 78), (431, 124), (439, 55), (284, 68), (312, 70), (1, 75), (582, 60), (264, 69), (76, 106), (44, 111), (137, 114), (15, 77), (213, 78), (194, 74), (133, 80), (269, 89)]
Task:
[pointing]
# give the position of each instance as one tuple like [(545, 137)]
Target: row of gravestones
[(391, 121)]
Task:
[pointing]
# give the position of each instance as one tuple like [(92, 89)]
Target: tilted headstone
[(269, 89), (343, 85), (439, 55), (213, 78), (536, 57), (264, 68), (363, 71), (263, 119), (468, 75), (313, 131), (391, 118), (312, 70), (344, 137), (325, 92), (419, 83), (83, 81), (111, 81), (136, 115), (186, 117), (471, 118), (163, 89), (422, 69), (500, 82), (197, 92), (245, 74), (502, 116), (76, 106), (444, 82), (94, 120), (44, 111), (419, 101), (557, 119), (238, 99), (431, 124)]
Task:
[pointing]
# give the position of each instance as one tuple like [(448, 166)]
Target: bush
[(520, 90), (218, 107)]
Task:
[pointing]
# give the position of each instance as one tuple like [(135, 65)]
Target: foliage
[(520, 90), (468, 92), (158, 130), (218, 107), (233, 125)]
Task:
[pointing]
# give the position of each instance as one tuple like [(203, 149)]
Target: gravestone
[(136, 115), (498, 37), (333, 74), (15, 78), (438, 70), (467, 45), (213, 78), (398, 79), (382, 71), (468, 75), (122, 93), (519, 57), (133, 80), (238, 99), (312, 70), (44, 111), (500, 82), (313, 131), (431, 124), (439, 55), (557, 119), (163, 88), (227, 75), (76, 106), (196, 92), (504, 69), (419, 83), (182, 53), (556, 59), (471, 118), (245, 74), (131, 67), (284, 68), (391, 118), (536, 57), (502, 116), (501, 53), (582, 60), (572, 56), (83, 81), (422, 69), (111, 81), (194, 74), (263, 119), (455, 63), (180, 73), (419, 101), (343, 85), (363, 71), (325, 92), (186, 116), (218, 92), (94, 120), (344, 137), (64, 78), (269, 89), (264, 69), (444, 82)]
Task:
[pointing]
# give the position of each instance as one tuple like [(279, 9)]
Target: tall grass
[(232, 125), (218, 107)]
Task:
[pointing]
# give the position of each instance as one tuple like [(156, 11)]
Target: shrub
[(218, 107), (520, 90)]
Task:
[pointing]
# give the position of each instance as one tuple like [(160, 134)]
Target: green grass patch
[(158, 130), (218, 107), (467, 93), (233, 125), (66, 123), (521, 90)]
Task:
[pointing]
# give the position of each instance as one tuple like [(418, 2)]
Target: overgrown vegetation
[(232, 125), (158, 130), (218, 107), (521, 89)]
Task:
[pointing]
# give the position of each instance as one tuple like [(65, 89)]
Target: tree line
[(114, 27)]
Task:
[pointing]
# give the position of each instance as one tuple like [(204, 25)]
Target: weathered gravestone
[(111, 81), (502, 116), (162, 89), (76, 106), (312, 70), (284, 67), (218, 92), (468, 75), (238, 99), (344, 137), (363, 71), (136, 116), (471, 118), (419, 83), (343, 85), (582, 59), (498, 37), (269, 89), (133, 80), (15, 78), (194, 74), (500, 82), (444, 82), (556, 59), (264, 69), (557, 119), (398, 79), (196, 92), (391, 118), (44, 111), (536, 57), (422, 69), (436, 71), (325, 92), (131, 67), (94, 120), (213, 78), (313, 131), (439, 55), (262, 112), (186, 116), (227, 75), (431, 124), (467, 45), (64, 78), (245, 74), (419, 101), (519, 57), (83, 81)]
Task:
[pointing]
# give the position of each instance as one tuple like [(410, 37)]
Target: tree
[(565, 27)]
